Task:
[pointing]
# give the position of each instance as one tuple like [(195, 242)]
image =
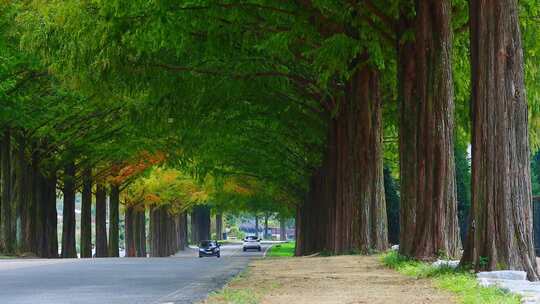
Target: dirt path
[(340, 279)]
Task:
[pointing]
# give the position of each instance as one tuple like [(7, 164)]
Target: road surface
[(184, 278)]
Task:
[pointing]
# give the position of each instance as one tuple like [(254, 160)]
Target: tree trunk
[(160, 231), (51, 238), (32, 225), (265, 234), (101, 221), (139, 224), (86, 214), (501, 220), (219, 226), (129, 232), (68, 228), (8, 237), (257, 226), (183, 237), (408, 129), (282, 229), (430, 225), (154, 231), (114, 221), (437, 228), (21, 194), (200, 224), (361, 223), (344, 209)]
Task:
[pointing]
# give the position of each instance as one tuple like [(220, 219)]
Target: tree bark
[(32, 224), (345, 210), (68, 228), (408, 129), (8, 237), (183, 237), (86, 214), (437, 228), (282, 229), (219, 226), (140, 232), (129, 232), (21, 194), (257, 225), (200, 224), (500, 234), (51, 222), (114, 221), (265, 234), (430, 224), (101, 221)]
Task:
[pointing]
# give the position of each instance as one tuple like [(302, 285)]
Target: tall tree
[(433, 208), (500, 233)]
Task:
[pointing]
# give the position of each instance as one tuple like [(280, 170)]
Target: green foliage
[(281, 250), (237, 93), (463, 284), (463, 181), (392, 206)]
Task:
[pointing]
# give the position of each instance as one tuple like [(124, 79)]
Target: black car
[(209, 248)]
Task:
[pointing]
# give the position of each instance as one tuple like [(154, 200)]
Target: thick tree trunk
[(257, 225), (86, 214), (129, 232), (154, 232), (51, 228), (344, 209), (500, 234), (361, 223), (265, 234), (21, 193), (139, 224), (429, 224), (114, 221), (183, 237), (161, 231), (8, 236), (68, 228), (219, 225), (408, 141), (101, 221), (282, 229), (33, 190), (437, 228), (41, 191), (200, 224)]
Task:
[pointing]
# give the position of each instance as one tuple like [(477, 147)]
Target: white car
[(252, 242)]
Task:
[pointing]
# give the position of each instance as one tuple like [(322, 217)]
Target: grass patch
[(281, 250), (5, 257), (459, 282), (242, 289), (236, 296)]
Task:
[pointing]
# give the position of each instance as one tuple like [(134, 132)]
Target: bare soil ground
[(338, 279)]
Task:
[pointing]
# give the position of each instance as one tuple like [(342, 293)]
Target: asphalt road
[(184, 278)]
